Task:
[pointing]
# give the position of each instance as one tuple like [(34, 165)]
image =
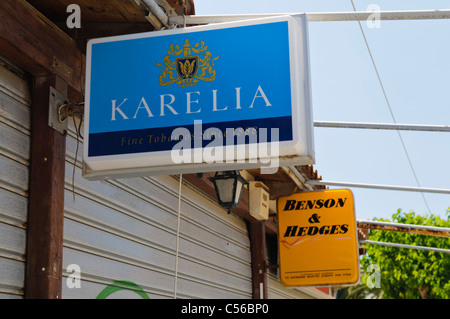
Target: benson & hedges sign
[(318, 242)]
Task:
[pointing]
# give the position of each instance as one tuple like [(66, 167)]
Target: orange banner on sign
[(318, 240)]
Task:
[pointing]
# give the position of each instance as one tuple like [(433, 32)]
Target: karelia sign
[(140, 88)]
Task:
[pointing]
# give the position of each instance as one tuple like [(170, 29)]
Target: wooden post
[(43, 277), (258, 254)]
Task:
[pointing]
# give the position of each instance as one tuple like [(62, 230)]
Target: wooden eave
[(102, 18)]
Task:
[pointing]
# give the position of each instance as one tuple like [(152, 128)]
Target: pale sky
[(413, 60)]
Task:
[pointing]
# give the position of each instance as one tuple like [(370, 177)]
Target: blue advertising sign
[(192, 99)]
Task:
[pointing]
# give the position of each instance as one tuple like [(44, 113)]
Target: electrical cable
[(178, 238), (390, 109)]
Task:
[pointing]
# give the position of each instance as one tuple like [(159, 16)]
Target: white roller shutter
[(14, 170), (124, 231)]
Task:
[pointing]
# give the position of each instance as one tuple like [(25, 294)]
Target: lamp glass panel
[(239, 186), (225, 189)]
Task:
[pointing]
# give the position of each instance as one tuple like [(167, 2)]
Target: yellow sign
[(318, 238)]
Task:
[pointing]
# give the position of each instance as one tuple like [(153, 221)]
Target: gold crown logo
[(187, 65)]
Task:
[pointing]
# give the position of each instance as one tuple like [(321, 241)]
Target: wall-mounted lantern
[(229, 186)]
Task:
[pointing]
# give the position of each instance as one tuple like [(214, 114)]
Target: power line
[(383, 126), (439, 250), (315, 16), (385, 187), (390, 108)]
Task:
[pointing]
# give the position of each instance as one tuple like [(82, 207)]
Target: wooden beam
[(257, 236), (30, 40), (100, 29), (46, 201)]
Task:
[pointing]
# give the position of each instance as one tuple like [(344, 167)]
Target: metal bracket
[(55, 120)]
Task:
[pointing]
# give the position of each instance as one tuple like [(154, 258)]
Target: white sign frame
[(131, 165)]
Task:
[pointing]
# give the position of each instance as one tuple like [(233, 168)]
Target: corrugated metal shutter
[(122, 230), (14, 168), (125, 230)]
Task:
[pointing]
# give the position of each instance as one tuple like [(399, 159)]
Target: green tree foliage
[(410, 273), (359, 291)]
